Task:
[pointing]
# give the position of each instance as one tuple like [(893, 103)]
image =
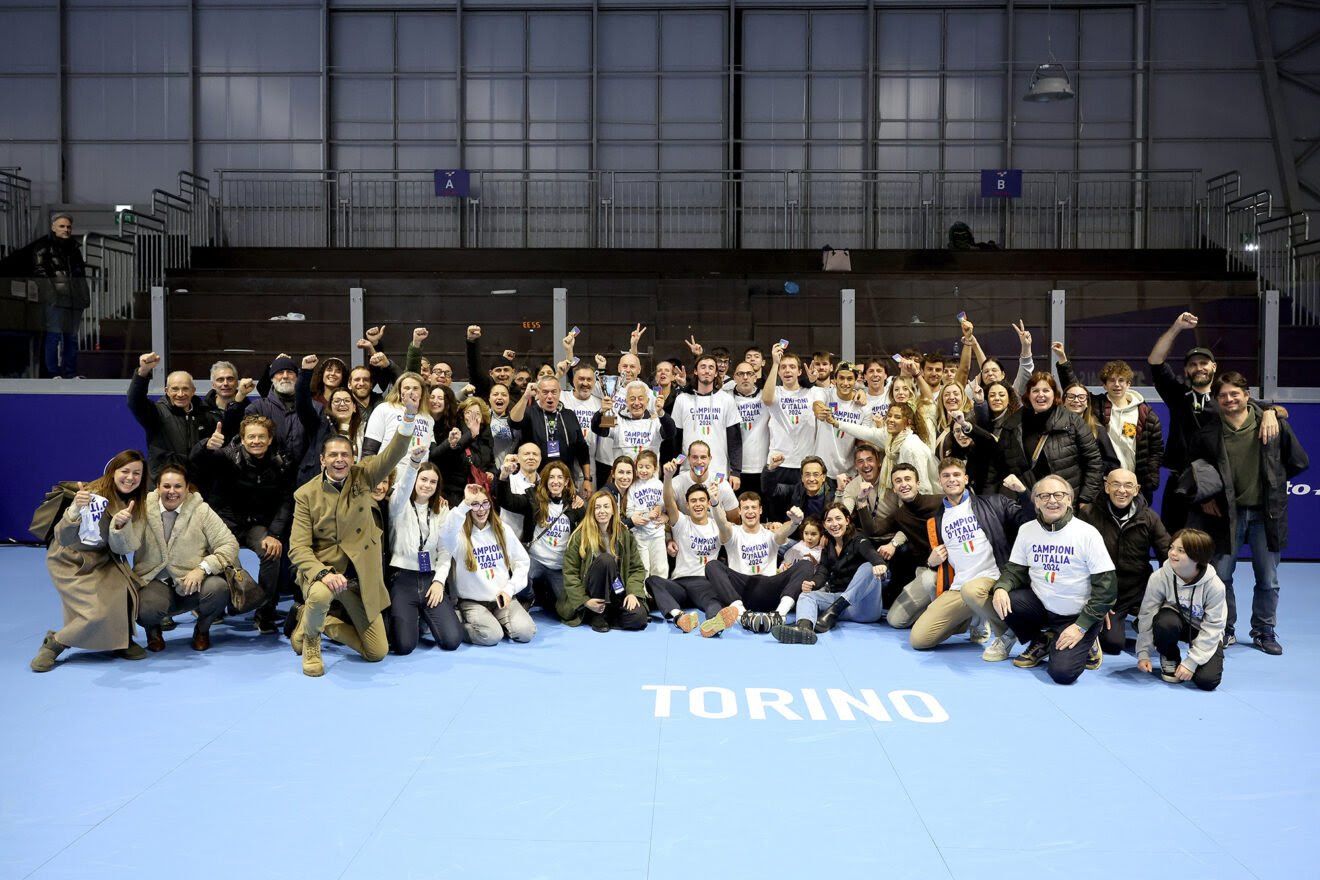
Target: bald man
[(1131, 530), (176, 422)]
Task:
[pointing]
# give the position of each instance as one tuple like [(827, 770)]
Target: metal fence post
[(560, 321), (848, 323), (159, 337), (1058, 318), (357, 326), (1269, 345)]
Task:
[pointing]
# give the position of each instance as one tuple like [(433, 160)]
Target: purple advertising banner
[(49, 438)]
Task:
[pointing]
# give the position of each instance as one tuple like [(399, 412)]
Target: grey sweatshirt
[(1203, 605)]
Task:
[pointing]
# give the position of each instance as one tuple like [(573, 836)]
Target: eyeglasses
[(744, 373), (1131, 487), (1052, 496), (481, 505), (1075, 398)]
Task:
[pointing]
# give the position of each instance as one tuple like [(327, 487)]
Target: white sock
[(676, 614), (737, 603), (785, 605)]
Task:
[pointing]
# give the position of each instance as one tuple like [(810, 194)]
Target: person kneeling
[(604, 576), (490, 568), (1185, 601), (184, 552), (1070, 583)]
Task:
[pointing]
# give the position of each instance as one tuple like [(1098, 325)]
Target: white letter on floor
[(663, 697), (815, 711), (760, 699), (844, 703), (697, 702), (936, 715)]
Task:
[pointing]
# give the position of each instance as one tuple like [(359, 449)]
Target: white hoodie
[(1203, 605), (494, 573), (1123, 424)]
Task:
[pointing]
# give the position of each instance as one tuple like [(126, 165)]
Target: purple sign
[(1006, 184), (452, 183)]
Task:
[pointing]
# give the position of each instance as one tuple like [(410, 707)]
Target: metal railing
[(15, 211), (700, 209), (110, 274)]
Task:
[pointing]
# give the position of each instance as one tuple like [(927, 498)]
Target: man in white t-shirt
[(633, 429), (1057, 586), (792, 423), (753, 423), (971, 538), (581, 400), (876, 378), (616, 387), (834, 445), (750, 581), (700, 471), (710, 415)]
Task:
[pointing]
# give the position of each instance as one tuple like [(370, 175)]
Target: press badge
[(424, 561), (552, 447), (618, 585)]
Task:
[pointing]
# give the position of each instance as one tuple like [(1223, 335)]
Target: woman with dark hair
[(604, 578), (185, 550), (329, 374), (623, 473), (99, 591), (846, 583), (964, 440), (550, 512), (464, 453), (504, 437), (1185, 601), (1001, 401), (340, 416), (1044, 438), (420, 564), (444, 409)]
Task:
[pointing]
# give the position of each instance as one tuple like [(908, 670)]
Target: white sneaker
[(1169, 670), (998, 650), (980, 633)]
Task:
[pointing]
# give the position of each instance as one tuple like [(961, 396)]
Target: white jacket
[(494, 573), (405, 529)]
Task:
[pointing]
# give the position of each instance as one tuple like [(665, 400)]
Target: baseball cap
[(1199, 351)]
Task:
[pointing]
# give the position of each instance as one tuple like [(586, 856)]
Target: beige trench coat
[(96, 585), (333, 528)]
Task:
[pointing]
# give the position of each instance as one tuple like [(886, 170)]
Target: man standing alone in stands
[(61, 274)]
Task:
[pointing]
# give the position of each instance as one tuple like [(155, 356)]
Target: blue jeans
[(62, 327), (863, 594), (1265, 566)]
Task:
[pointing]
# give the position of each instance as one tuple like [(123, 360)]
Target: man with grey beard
[(277, 406)]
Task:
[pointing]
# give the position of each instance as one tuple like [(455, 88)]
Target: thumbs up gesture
[(122, 517), (216, 440), (82, 499)]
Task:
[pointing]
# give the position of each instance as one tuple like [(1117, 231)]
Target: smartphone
[(575, 361), (783, 343), (575, 331), (898, 358), (680, 460), (962, 316)]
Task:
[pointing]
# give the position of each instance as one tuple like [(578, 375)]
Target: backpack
[(49, 511)]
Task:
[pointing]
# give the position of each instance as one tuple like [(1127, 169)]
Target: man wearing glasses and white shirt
[(1057, 586)]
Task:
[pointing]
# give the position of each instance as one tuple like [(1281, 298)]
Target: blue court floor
[(553, 760)]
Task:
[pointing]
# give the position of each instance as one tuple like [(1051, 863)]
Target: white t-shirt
[(630, 436), (384, 424), (548, 540), (724, 493), (793, 425), (584, 410), (697, 545), (518, 485), (1062, 562), (754, 422), (604, 445), (494, 573), (834, 446), (877, 405), (646, 495), (705, 417), (752, 552), (970, 552)]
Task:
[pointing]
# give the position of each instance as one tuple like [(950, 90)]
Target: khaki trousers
[(950, 613), (367, 637)]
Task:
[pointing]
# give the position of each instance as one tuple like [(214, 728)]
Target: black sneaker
[(758, 621), (1229, 639), (1033, 654), (265, 621), (1265, 641), (801, 633)]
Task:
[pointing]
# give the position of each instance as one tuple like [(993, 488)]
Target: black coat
[(525, 504), (1069, 451), (981, 459), (836, 570), (249, 491), (573, 448), (455, 464), (1130, 546), (61, 274), (171, 432)]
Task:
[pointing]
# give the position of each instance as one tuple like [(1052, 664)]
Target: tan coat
[(199, 536), (96, 586), (333, 528)]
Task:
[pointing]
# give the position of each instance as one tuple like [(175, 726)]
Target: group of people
[(772, 491)]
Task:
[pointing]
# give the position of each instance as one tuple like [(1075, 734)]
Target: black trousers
[(758, 592), (1114, 637), (599, 584), (776, 508), (750, 483), (272, 574), (686, 592), (1030, 619), (1176, 506), (1168, 629), (408, 609)]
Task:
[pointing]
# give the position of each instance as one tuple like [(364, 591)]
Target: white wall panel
[(247, 108), (493, 42), (362, 43), (838, 41), (137, 170), (774, 41), (559, 42)]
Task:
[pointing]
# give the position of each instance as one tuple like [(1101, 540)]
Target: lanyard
[(422, 535)]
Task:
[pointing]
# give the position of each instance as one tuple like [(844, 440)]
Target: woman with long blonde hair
[(388, 416), (490, 568), (104, 522), (604, 577)]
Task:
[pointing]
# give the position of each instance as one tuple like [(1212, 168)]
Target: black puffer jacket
[(455, 464), (1129, 545), (61, 274), (171, 432), (981, 458), (1069, 451), (249, 491)]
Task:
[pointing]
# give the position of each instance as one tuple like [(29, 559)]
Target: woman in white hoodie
[(491, 568), (1185, 602), (420, 563)]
